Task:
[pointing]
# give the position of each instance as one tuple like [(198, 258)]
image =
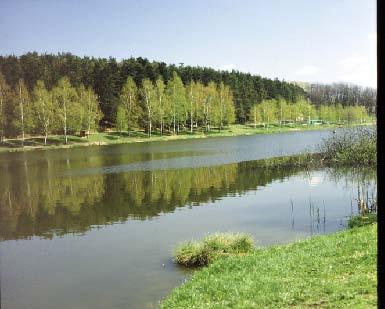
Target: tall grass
[(354, 146), (194, 253)]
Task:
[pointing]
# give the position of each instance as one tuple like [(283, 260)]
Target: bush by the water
[(194, 253), (356, 146), (361, 220)]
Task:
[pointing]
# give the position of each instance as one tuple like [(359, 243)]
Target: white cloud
[(308, 70), (228, 67), (357, 69)]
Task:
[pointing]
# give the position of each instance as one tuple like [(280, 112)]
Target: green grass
[(108, 138), (194, 253), (331, 271), (362, 220)]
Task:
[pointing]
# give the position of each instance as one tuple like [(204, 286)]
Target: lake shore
[(335, 270), (112, 138)]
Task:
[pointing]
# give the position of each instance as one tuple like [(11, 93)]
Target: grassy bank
[(109, 138), (336, 271)]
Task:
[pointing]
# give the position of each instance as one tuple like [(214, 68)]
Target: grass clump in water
[(194, 253)]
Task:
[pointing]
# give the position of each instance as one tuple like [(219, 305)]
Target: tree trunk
[(1, 119), (22, 117), (65, 123), (174, 122)]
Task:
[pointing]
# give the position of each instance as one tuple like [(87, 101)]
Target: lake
[(95, 227)]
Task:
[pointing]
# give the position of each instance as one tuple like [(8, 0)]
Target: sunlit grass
[(333, 271), (202, 253), (113, 137)]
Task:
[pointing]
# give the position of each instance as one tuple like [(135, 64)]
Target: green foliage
[(213, 246), (89, 108), (356, 146), (107, 76), (44, 109), (150, 103), (176, 95), (23, 120), (121, 119), (362, 220), (129, 100), (4, 107), (336, 271)]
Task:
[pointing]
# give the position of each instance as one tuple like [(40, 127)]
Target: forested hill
[(107, 76)]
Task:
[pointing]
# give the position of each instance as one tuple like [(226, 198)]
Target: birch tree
[(176, 93), (255, 115), (148, 93), (161, 102), (91, 113), (43, 109), (121, 119), (23, 109), (129, 100), (64, 98)]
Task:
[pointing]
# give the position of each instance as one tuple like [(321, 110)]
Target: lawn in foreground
[(336, 270)]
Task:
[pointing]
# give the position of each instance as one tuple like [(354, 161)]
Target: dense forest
[(63, 94)]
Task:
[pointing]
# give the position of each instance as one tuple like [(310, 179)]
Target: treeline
[(279, 111), (344, 94), (157, 106), (173, 106), (107, 76)]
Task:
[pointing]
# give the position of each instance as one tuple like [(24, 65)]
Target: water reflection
[(36, 201)]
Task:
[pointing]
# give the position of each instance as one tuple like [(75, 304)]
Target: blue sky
[(304, 40)]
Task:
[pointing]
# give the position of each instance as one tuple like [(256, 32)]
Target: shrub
[(362, 220), (193, 253), (357, 146)]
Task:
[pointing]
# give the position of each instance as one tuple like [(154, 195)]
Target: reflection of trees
[(34, 201), (32, 198), (364, 179)]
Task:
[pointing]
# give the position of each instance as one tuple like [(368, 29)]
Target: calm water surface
[(95, 227)]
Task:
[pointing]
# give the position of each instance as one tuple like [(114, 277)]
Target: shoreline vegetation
[(334, 270), (113, 137)]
